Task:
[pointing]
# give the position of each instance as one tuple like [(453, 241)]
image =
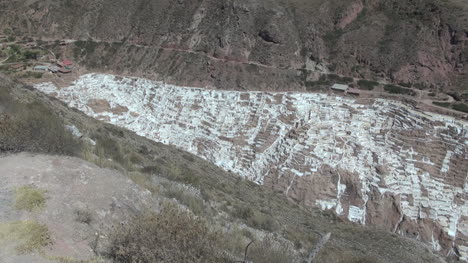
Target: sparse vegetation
[(442, 104), (29, 235), (29, 198), (367, 84), (83, 216), (31, 74), (460, 107), (255, 219), (398, 90), (170, 236), (269, 251)]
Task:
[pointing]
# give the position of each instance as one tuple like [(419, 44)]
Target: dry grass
[(170, 236), (29, 198), (30, 235), (33, 127)]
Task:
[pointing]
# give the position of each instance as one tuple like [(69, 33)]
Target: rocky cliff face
[(374, 162), (260, 44)]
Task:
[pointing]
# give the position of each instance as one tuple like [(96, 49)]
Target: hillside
[(224, 199), (271, 44), (270, 120)]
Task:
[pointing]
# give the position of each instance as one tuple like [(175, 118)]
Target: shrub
[(460, 107), (255, 219), (398, 90), (270, 251), (367, 84), (191, 201), (29, 198), (83, 216), (170, 236), (441, 104)]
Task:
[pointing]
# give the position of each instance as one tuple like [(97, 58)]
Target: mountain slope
[(228, 197), (263, 44)]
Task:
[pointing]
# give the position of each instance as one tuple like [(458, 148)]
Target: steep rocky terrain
[(374, 162), (270, 44)]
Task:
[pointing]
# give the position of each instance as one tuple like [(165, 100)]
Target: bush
[(191, 201), (255, 219), (29, 198), (170, 236), (398, 90), (460, 107), (441, 104), (367, 84), (83, 216), (270, 251)]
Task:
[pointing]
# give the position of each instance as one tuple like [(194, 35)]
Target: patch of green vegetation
[(398, 90), (463, 107), (442, 104), (32, 74), (11, 39), (367, 84), (419, 86), (17, 53), (30, 235), (29, 198)]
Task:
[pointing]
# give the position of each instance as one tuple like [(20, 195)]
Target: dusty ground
[(71, 184)]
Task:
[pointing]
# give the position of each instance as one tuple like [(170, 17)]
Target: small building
[(67, 63), (340, 87), (41, 68), (54, 69), (354, 91)]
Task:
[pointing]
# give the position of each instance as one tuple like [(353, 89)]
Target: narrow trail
[(1, 62)]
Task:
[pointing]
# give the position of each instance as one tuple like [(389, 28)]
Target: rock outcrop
[(374, 162)]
